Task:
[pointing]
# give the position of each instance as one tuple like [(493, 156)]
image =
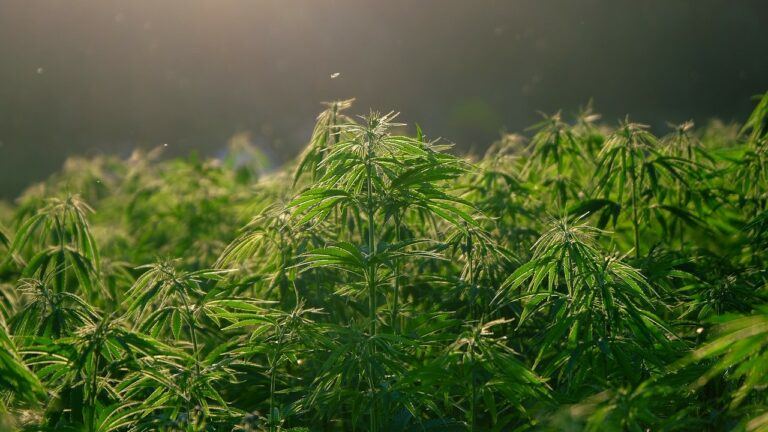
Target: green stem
[(473, 385), (192, 333), (371, 281), (396, 282), (473, 400), (681, 203), (372, 252), (635, 221), (560, 192), (92, 395), (273, 379), (471, 269)]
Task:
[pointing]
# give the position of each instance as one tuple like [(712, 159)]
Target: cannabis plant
[(584, 277)]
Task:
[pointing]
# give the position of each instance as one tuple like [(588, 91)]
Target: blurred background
[(104, 76)]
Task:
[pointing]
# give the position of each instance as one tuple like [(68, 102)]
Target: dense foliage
[(586, 278)]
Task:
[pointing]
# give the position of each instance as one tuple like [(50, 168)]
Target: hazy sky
[(83, 77)]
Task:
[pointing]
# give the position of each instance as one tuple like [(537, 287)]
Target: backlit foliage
[(590, 277)]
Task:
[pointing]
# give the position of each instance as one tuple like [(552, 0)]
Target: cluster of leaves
[(587, 278)]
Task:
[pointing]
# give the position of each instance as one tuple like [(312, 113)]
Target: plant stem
[(471, 269), (396, 281), (635, 222), (273, 379), (371, 248), (92, 395), (371, 280), (192, 332), (473, 400), (473, 386)]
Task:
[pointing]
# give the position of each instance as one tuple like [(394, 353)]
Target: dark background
[(103, 76)]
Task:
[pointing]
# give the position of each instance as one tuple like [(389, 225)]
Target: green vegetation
[(588, 278)]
